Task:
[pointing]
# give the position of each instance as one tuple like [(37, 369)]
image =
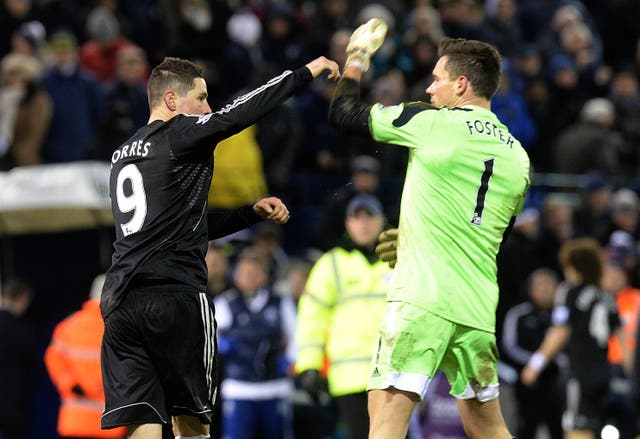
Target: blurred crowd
[(72, 88)]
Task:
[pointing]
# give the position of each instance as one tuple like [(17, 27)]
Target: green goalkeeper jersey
[(466, 177)]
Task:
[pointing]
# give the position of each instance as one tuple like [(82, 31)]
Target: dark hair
[(585, 256), (174, 73), (479, 62), (16, 288), (544, 272)]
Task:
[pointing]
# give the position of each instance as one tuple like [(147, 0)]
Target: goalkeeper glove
[(387, 245), (364, 42)]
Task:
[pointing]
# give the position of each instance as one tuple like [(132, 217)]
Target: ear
[(170, 98), (462, 83)]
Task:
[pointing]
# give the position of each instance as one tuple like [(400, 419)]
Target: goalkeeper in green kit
[(465, 181)]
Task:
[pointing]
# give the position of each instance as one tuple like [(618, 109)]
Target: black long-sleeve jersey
[(158, 186)]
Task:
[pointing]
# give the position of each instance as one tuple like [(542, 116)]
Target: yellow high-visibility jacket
[(339, 316)]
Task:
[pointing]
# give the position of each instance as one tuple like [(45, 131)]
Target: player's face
[(195, 102), (443, 89)]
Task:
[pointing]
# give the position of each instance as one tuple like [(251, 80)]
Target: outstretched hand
[(322, 64), (365, 42), (272, 209), (387, 247)]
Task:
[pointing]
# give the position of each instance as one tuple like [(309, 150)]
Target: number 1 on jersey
[(476, 219), (137, 201)]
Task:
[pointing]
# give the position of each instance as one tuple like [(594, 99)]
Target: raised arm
[(347, 112), (204, 131)]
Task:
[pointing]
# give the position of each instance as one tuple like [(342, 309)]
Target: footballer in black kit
[(158, 353), (584, 319), (593, 317)]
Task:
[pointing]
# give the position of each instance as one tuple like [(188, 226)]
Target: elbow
[(349, 117)]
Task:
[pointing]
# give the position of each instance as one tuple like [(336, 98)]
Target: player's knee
[(189, 427)]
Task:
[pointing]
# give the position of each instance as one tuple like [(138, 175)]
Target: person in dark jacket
[(17, 339), (524, 329)]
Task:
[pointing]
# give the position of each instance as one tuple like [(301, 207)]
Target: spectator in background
[(218, 270), (78, 103), (624, 211), (416, 60), (581, 43), (388, 89), (268, 240), (314, 415), (73, 362), (625, 95), (241, 55), (555, 228), (591, 216), (255, 340), (339, 314), (502, 19), (566, 97), (517, 258), (466, 19), (56, 15), (294, 279), (621, 346), (13, 13), (330, 16), (510, 107), (195, 23), (126, 104), (527, 65), (338, 45), (26, 111), (29, 39), (280, 44), (280, 136), (525, 326), (100, 53), (623, 249), (583, 320), (538, 95), (325, 150), (422, 21), (17, 343), (590, 144), (364, 180)]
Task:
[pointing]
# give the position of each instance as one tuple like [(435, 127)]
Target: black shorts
[(586, 404), (159, 356)]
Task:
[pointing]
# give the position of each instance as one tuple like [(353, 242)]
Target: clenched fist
[(387, 247)]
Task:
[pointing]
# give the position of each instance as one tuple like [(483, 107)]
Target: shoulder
[(520, 310), (405, 110), (326, 258)]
